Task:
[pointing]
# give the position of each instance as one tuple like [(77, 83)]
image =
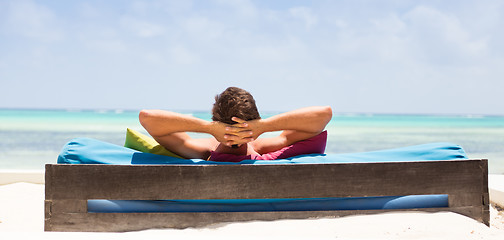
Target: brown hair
[(234, 102)]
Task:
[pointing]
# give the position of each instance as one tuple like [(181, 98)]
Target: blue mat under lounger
[(268, 205)]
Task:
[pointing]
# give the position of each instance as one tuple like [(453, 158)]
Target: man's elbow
[(326, 114), (145, 116), (324, 117)]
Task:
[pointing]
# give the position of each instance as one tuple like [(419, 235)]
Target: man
[(235, 128)]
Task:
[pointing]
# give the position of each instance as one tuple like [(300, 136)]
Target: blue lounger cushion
[(92, 151)]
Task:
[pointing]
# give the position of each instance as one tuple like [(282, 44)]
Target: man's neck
[(244, 149)]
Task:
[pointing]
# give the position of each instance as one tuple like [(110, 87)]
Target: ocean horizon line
[(266, 112)]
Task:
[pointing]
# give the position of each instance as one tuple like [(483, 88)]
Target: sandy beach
[(22, 215)]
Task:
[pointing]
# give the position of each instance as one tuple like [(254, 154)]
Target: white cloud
[(202, 28), (305, 14), (241, 8), (142, 28), (33, 20), (182, 55), (107, 45), (89, 11), (423, 36), (281, 53), (151, 58), (442, 35), (140, 7), (175, 7), (339, 23), (391, 24), (101, 39)]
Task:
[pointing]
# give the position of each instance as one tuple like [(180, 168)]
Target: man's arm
[(169, 129), (297, 125)]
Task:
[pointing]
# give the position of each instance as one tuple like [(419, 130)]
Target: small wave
[(101, 111), (474, 116)]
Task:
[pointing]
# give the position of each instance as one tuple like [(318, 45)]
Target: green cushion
[(144, 143)]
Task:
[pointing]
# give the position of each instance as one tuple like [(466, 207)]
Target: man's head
[(234, 102)]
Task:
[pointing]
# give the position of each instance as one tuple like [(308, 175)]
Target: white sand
[(496, 189), (14, 176), (22, 215)]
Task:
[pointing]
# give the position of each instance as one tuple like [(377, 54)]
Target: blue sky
[(440, 57)]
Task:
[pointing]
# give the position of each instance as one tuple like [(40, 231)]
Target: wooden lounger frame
[(68, 187)]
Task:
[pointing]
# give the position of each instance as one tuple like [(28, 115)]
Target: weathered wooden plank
[(457, 199), (48, 180), (264, 181), (118, 222), (68, 206), (47, 209)]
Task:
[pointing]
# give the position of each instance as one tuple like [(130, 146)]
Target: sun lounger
[(70, 186)]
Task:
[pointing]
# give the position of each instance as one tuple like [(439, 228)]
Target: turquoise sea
[(31, 138)]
